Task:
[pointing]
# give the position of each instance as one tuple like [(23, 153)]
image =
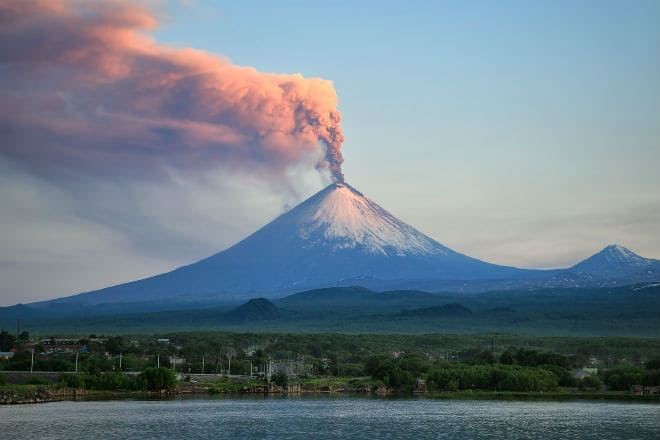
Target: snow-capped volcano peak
[(342, 217)]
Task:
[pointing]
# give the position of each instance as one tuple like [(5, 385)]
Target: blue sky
[(521, 133), (536, 121)]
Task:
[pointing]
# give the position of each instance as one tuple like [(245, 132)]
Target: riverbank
[(566, 395), (26, 394), (22, 394)]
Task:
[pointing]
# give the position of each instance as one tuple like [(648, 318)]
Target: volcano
[(339, 237)]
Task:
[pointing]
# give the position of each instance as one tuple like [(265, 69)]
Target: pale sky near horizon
[(520, 133)]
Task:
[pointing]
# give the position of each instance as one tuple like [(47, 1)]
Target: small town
[(274, 364)]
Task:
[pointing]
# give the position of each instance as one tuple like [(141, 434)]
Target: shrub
[(564, 376), (651, 378), (3, 379), (157, 379), (652, 364), (397, 373), (280, 379), (442, 379), (72, 380), (589, 383), (109, 382), (507, 358), (622, 379)]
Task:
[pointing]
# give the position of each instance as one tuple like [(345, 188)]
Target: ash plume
[(85, 89)]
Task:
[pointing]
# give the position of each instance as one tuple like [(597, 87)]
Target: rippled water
[(329, 417)]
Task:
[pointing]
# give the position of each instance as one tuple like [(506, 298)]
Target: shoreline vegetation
[(436, 366), (30, 394), (161, 383)]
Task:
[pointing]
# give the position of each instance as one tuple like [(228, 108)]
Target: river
[(328, 417)]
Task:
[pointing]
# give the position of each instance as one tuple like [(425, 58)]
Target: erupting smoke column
[(333, 154), (84, 88)]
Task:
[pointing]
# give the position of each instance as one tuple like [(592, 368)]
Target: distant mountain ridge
[(339, 237)]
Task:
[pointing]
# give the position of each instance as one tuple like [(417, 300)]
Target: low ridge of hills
[(615, 311)]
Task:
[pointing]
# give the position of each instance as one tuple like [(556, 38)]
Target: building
[(290, 368), (642, 390), (6, 355), (175, 360), (62, 345), (420, 386)]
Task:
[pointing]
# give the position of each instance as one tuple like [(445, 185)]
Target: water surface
[(329, 417)]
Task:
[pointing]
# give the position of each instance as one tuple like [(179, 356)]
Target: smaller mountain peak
[(612, 258), (620, 251), (256, 309), (616, 247)]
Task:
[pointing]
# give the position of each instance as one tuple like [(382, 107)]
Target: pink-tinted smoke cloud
[(84, 88)]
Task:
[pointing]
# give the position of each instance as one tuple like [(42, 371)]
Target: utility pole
[(202, 364), (32, 362), (76, 362), (119, 361), (158, 360), (230, 354)]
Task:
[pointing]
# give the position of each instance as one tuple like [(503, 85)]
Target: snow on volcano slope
[(336, 235), (343, 218)]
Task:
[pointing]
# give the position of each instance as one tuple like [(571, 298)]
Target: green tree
[(157, 379), (652, 364), (589, 383), (507, 358), (623, 378), (115, 345), (442, 379), (280, 379), (73, 380), (7, 341)]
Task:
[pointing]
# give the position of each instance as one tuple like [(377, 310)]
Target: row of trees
[(491, 377), (402, 372), (151, 379), (624, 377), (522, 370)]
